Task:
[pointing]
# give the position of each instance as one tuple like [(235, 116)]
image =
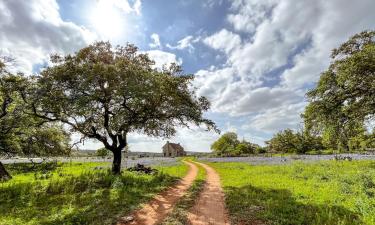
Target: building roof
[(174, 146)]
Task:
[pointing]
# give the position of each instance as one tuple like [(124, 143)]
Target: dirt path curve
[(210, 207), (157, 209)]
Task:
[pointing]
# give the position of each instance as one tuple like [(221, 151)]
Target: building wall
[(169, 151)]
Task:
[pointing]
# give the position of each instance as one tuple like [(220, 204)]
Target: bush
[(102, 152)]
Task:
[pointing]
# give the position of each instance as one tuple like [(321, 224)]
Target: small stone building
[(173, 150)]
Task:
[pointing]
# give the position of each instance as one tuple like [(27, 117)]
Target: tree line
[(340, 114)]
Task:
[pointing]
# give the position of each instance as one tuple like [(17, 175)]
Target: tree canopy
[(288, 141), (344, 98), (229, 145), (21, 133), (106, 92)]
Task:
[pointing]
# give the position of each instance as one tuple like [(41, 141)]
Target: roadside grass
[(178, 216), (78, 193), (174, 171), (325, 192)]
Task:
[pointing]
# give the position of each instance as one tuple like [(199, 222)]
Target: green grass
[(78, 193), (175, 171), (328, 192), (179, 214)]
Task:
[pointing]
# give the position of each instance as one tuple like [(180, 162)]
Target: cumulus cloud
[(275, 51), (31, 30), (279, 118), (247, 15), (162, 58), (264, 98), (223, 40), (156, 41)]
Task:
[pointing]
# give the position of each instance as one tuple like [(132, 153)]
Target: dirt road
[(210, 207), (157, 209)]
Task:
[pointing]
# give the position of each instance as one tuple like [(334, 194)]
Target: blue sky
[(253, 59)]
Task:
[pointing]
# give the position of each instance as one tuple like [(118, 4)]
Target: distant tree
[(106, 93), (229, 145), (284, 141), (260, 149), (344, 98), (226, 144), (288, 141), (102, 152), (246, 148)]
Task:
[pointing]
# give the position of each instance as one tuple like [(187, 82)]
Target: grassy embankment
[(328, 192), (179, 214), (78, 193)]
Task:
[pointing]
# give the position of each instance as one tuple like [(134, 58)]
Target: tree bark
[(116, 165), (4, 175)]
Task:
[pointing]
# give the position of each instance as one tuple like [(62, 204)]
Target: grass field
[(77, 193), (327, 192)]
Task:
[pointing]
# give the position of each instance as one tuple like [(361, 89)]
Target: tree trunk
[(116, 166), (4, 175)]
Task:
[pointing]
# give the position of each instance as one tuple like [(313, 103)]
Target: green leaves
[(229, 145), (287, 141), (105, 93), (344, 98), (20, 132)]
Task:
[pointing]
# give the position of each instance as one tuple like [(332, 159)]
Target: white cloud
[(156, 41), (125, 6), (212, 83), (247, 15), (297, 35), (31, 30), (185, 43), (264, 98), (223, 40), (279, 118), (162, 58)]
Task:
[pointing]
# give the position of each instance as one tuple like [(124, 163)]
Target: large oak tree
[(344, 98), (105, 93)]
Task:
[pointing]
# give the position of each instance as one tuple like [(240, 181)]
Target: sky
[(253, 59)]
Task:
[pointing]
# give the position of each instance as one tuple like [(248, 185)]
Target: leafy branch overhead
[(21, 133)]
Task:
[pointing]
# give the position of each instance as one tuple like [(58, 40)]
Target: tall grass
[(77, 194), (320, 193)]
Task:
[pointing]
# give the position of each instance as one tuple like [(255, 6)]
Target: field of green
[(330, 192), (77, 193)]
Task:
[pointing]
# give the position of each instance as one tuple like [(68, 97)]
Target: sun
[(107, 20)]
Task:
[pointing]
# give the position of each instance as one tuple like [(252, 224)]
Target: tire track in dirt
[(210, 206), (157, 209)]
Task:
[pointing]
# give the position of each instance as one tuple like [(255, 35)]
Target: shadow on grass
[(91, 198), (251, 205)]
